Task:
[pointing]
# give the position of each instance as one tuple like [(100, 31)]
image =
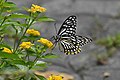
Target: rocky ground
[(83, 66)]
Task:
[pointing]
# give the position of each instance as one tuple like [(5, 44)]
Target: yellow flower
[(7, 50), (36, 8), (33, 32), (55, 77), (46, 42), (33, 10), (26, 45)]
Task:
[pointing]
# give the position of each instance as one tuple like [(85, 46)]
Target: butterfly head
[(57, 38)]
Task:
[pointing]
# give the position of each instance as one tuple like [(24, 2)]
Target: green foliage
[(17, 62), (111, 43), (44, 18)]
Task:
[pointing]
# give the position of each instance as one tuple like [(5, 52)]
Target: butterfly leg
[(52, 38)]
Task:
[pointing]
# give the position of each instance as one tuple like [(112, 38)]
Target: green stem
[(15, 41), (3, 21), (1, 64), (28, 57), (35, 60), (1, 38), (25, 57)]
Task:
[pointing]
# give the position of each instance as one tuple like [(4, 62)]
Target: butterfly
[(67, 37)]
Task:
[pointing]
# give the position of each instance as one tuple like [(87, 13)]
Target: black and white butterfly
[(67, 37)]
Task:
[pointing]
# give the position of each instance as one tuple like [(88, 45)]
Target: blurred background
[(97, 19)]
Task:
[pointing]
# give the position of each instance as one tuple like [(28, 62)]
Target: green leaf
[(41, 77), (31, 51), (30, 63), (10, 9), (49, 55), (22, 67), (9, 56), (20, 62), (19, 15), (40, 63), (31, 37), (4, 45), (43, 19), (109, 41), (7, 24), (9, 4)]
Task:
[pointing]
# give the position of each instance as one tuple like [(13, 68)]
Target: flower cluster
[(55, 77), (36, 8), (33, 32), (7, 50), (26, 49), (45, 42), (26, 45)]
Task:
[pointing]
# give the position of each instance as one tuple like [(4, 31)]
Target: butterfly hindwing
[(70, 48), (81, 40), (73, 44)]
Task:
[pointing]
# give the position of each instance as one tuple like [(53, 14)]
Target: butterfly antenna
[(53, 37), (55, 28)]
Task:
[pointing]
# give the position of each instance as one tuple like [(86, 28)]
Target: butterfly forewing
[(68, 27)]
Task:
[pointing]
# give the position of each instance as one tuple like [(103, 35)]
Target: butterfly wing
[(70, 48), (67, 30), (81, 40), (72, 45), (68, 27)]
